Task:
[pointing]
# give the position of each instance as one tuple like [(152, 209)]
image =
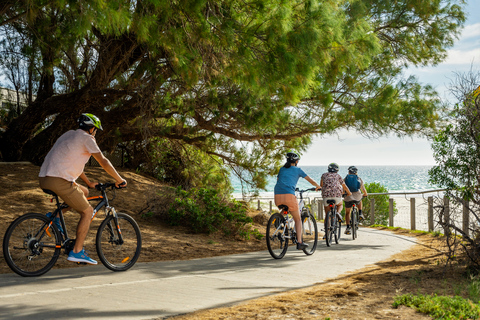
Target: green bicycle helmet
[(88, 120)]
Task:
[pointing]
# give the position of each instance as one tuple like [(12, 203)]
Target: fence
[(414, 212)]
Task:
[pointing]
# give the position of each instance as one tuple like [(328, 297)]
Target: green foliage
[(204, 211), (456, 148), (440, 307), (382, 205), (236, 81)]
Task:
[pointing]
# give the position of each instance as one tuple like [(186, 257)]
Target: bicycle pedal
[(84, 263)]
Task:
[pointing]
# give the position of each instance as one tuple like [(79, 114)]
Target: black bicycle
[(333, 224), (33, 243), (281, 229)]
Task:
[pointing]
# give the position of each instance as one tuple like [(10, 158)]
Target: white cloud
[(461, 57), (470, 31)]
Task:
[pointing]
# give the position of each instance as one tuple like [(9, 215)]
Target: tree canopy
[(230, 81)]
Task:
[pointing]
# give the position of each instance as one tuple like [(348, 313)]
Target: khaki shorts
[(288, 200), (70, 192)]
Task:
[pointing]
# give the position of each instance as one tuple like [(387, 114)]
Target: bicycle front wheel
[(30, 246), (309, 232), (277, 232), (119, 247)]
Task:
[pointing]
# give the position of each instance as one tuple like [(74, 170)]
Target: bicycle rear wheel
[(337, 230), (277, 243), (30, 246), (354, 223), (329, 225), (309, 232), (119, 254)]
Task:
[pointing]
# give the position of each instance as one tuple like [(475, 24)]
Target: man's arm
[(87, 181), (107, 166)]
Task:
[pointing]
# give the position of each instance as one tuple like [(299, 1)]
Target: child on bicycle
[(285, 192), (64, 164), (356, 186), (333, 187)]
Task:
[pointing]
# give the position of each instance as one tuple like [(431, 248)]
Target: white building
[(8, 99)]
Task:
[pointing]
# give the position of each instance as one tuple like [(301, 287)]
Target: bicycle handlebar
[(104, 186), (302, 191)]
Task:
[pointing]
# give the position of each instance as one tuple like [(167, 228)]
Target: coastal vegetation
[(191, 90)]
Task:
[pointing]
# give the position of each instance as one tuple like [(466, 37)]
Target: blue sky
[(403, 151)]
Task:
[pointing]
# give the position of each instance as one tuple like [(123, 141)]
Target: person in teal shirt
[(284, 191)]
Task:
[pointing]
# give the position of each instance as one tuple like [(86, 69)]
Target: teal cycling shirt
[(287, 180)]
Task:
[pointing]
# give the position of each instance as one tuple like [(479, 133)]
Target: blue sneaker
[(57, 222), (80, 257)]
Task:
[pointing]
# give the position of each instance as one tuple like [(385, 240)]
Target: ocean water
[(394, 178)]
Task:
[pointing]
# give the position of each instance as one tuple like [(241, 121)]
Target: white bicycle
[(281, 229)]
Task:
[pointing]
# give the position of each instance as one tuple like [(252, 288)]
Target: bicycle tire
[(309, 232), (114, 255), (354, 223), (277, 241), (329, 223), (29, 247), (337, 230)]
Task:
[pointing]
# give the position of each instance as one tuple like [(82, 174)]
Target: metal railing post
[(270, 207), (259, 208), (412, 214)]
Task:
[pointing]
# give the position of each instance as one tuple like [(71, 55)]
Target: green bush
[(203, 210), (381, 204), (440, 307)]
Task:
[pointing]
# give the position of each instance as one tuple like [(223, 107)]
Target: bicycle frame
[(104, 202)]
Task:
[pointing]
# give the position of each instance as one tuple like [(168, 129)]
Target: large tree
[(238, 80)]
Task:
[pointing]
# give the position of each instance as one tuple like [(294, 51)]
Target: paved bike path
[(162, 289)]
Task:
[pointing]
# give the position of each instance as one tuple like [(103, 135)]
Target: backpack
[(352, 182)]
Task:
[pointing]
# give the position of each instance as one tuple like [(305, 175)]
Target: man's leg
[(347, 215), (82, 228)]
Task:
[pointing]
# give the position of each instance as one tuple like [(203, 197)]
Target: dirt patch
[(20, 194)]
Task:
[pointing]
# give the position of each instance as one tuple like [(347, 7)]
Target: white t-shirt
[(68, 155)]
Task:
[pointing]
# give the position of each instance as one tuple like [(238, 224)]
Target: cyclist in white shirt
[(64, 163)]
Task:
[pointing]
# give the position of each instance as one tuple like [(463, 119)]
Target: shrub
[(382, 211), (440, 307), (203, 210)]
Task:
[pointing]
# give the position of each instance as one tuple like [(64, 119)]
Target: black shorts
[(349, 204)]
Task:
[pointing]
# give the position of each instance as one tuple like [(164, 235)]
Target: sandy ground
[(365, 294)]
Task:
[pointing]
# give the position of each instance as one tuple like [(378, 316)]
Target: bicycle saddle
[(49, 192), (283, 207), (331, 201)]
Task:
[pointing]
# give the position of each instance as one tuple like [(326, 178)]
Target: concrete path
[(162, 289)]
